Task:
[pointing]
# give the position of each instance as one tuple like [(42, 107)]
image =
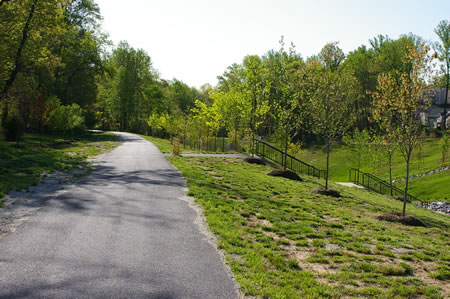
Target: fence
[(376, 184), (212, 144), (266, 151)]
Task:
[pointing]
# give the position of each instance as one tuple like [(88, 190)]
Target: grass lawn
[(423, 161), (434, 187), (24, 165), (341, 161), (282, 241)]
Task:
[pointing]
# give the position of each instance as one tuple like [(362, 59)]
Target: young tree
[(331, 92), (399, 99), (358, 146), (443, 54)]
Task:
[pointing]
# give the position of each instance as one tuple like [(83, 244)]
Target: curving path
[(123, 231)]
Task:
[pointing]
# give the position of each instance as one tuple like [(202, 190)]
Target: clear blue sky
[(196, 40)]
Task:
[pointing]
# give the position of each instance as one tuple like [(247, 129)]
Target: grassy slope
[(341, 161), (21, 167), (435, 187), (282, 241)]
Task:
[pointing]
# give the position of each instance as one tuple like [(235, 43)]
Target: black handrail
[(267, 151), (376, 184)]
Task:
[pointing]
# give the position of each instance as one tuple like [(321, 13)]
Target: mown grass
[(25, 164), (282, 241), (341, 160), (424, 160), (434, 187)]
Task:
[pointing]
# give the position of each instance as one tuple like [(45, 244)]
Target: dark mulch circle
[(329, 192), (288, 174), (254, 161), (397, 217)]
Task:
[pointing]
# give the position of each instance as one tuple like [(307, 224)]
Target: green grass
[(341, 161), (434, 187), (423, 161), (282, 241), (25, 165)]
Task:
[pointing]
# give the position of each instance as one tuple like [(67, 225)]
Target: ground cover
[(24, 164), (433, 187), (282, 241), (424, 160)]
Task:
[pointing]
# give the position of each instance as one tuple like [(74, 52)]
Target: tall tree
[(399, 100), (331, 90), (443, 53)]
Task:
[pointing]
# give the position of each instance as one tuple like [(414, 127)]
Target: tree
[(28, 31), (443, 54), (399, 99), (331, 91), (284, 92), (358, 146)]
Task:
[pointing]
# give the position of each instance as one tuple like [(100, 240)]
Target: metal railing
[(376, 184), (269, 152)]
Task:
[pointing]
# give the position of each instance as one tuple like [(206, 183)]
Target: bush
[(14, 128), (67, 118)]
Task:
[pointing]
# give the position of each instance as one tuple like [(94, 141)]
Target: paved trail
[(122, 231)]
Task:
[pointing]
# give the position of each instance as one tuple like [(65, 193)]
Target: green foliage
[(67, 119), (358, 146)]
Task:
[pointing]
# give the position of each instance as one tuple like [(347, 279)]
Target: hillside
[(281, 240)]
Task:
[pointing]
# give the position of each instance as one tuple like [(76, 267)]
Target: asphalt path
[(123, 231)]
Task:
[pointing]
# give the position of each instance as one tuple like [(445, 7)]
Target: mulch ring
[(398, 217), (329, 192), (288, 174), (254, 161)]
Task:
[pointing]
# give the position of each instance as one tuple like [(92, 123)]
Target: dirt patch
[(302, 255), (254, 221), (397, 217), (329, 192), (254, 161), (288, 174)]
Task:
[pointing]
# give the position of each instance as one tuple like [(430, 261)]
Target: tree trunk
[(5, 114), (328, 160), (444, 118), (17, 63), (405, 199), (390, 170), (286, 140)]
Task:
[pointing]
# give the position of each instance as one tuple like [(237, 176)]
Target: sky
[(195, 41)]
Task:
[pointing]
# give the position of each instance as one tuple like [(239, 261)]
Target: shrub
[(14, 128), (67, 118)]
